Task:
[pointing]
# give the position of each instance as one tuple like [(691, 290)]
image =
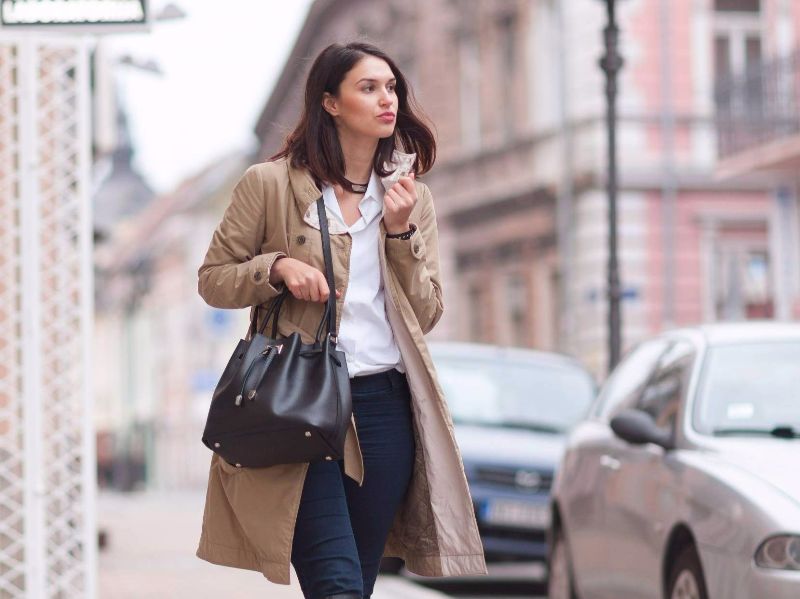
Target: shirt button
[(257, 275), (301, 239)]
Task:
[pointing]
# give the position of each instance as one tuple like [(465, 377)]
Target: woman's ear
[(329, 104)]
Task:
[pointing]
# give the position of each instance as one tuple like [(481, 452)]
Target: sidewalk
[(152, 538)]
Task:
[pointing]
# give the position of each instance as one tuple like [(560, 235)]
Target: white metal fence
[(47, 457)]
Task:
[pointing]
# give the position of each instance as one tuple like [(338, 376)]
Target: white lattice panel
[(12, 552), (47, 460)]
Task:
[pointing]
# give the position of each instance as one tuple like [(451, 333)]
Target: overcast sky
[(219, 64)]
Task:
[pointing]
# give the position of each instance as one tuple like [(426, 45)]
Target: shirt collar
[(372, 200), (370, 206)]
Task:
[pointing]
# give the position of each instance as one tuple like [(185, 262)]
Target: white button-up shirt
[(365, 335)]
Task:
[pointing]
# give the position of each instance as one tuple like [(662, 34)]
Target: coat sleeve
[(415, 262), (233, 273)]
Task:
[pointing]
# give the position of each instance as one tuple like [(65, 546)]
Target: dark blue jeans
[(341, 528)]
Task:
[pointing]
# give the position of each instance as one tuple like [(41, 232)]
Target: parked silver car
[(684, 481)]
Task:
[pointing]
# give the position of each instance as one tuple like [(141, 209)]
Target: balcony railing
[(759, 106)]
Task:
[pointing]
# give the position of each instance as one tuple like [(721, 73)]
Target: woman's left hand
[(398, 203)]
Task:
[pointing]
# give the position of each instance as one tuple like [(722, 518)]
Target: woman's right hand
[(303, 280)]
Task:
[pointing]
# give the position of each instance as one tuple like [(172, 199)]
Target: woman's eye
[(370, 88)]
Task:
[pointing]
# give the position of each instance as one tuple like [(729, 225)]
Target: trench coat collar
[(306, 191)]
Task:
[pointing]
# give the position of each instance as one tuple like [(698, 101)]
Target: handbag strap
[(326, 253), (330, 308), (275, 307)]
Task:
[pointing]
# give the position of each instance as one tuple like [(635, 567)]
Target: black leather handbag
[(282, 401)]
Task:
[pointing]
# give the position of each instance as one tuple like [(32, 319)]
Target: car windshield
[(514, 394), (750, 389)]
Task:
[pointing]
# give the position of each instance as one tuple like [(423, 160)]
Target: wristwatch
[(405, 234)]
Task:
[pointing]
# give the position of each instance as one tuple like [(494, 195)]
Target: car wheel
[(559, 576), (686, 578)]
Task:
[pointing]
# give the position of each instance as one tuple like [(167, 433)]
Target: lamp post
[(611, 63)]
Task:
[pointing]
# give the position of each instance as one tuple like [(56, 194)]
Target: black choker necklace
[(357, 187)]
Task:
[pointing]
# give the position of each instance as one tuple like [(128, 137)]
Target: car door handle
[(608, 462)]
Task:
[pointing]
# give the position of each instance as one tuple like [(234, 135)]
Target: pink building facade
[(760, 137), (694, 246)]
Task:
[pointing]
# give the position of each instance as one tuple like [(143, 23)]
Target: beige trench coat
[(250, 513)]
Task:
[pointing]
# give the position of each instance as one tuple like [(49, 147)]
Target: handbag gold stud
[(308, 433)]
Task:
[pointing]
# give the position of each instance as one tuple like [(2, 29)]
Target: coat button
[(301, 239), (257, 275)]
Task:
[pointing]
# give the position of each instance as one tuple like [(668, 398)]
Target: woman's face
[(366, 105)]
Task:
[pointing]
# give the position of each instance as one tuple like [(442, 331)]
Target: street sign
[(89, 16)]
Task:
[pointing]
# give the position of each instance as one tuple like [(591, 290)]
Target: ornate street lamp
[(611, 63)]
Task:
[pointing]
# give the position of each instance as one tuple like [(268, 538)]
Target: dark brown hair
[(314, 143)]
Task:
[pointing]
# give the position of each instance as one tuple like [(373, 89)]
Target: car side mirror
[(639, 427)]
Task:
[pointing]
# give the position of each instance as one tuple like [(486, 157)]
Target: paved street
[(152, 538), (505, 581)]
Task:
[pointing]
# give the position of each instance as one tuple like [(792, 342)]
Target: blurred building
[(516, 95), (119, 192), (162, 347), (758, 108)]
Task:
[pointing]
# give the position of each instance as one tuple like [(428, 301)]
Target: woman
[(400, 489)]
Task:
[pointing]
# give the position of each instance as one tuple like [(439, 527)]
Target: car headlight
[(781, 552)]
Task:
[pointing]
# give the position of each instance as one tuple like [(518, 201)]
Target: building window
[(470, 90), (507, 73), (737, 39), (475, 312), (517, 295), (738, 51), (743, 285), (737, 5)]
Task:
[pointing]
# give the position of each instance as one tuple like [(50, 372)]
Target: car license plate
[(520, 514)]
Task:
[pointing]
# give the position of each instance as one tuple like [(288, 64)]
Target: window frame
[(600, 410), (685, 381)]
